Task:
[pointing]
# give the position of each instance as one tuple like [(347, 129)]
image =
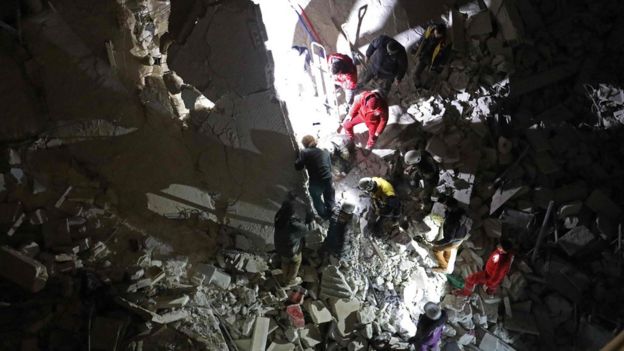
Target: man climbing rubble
[(288, 238), (370, 108), (387, 62), (386, 204), (318, 164), (429, 328), (345, 74), (432, 49), (496, 267), (455, 230), (340, 232), (422, 170)]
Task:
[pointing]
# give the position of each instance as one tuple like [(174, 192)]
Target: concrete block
[(260, 334), (480, 24), (490, 342), (318, 312), (174, 316), (600, 203), (310, 336), (575, 239), (214, 276), (171, 302), (502, 195), (275, 346), (345, 312), (367, 314), (295, 315), (29, 274)]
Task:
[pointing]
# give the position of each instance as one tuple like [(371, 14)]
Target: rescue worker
[(429, 328), (386, 205), (288, 238), (387, 61), (420, 166), (345, 74), (318, 164), (370, 108), (496, 267), (431, 50), (339, 238)]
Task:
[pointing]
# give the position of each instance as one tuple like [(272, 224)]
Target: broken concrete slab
[(345, 312), (276, 346), (260, 334), (480, 24), (491, 342), (600, 203), (576, 239), (29, 274), (524, 85), (502, 195), (214, 276), (310, 336), (318, 312)]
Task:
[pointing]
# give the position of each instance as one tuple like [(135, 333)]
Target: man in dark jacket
[(387, 61), (318, 164), (420, 166), (340, 233), (288, 238)]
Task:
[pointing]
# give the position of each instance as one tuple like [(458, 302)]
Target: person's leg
[(329, 197), (286, 265), (295, 264), (349, 94), (420, 67), (348, 126), (365, 77), (386, 86), (316, 190), (441, 258)]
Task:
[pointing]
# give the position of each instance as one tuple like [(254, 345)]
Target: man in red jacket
[(370, 108), (496, 268), (345, 74)]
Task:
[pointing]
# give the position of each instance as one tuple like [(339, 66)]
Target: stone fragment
[(214, 276), (502, 195), (295, 315), (260, 334), (171, 302), (345, 312), (174, 316), (522, 322), (600, 203), (334, 284), (490, 342), (318, 312), (480, 24), (38, 217), (22, 270), (575, 240), (570, 209), (310, 336), (16, 225), (493, 227), (275, 346), (366, 314)]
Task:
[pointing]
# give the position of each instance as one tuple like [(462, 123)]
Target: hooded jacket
[(348, 80), (382, 63), (375, 116)]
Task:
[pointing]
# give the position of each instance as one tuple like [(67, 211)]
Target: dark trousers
[(385, 83), (324, 189)]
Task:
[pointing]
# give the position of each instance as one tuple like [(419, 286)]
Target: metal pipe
[(540, 236)]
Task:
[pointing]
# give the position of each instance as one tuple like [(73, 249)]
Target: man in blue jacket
[(387, 61)]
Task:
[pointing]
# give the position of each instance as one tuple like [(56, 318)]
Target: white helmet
[(432, 311), (412, 157), (366, 184), (347, 208)]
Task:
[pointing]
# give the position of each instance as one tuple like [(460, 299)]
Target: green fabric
[(455, 281)]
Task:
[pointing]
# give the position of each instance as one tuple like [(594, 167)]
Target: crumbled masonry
[(146, 146)]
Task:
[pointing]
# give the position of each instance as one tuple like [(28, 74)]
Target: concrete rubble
[(514, 121)]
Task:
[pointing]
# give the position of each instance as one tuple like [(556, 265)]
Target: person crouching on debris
[(496, 267), (386, 204), (429, 328), (345, 74), (288, 238), (423, 170), (318, 164), (370, 108), (340, 232), (387, 62), (432, 50), (455, 230)]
